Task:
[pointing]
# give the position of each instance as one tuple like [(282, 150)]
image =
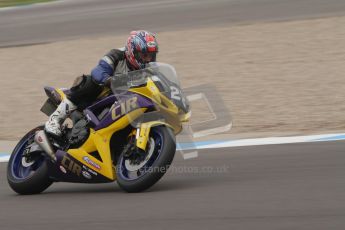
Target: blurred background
[(277, 64)]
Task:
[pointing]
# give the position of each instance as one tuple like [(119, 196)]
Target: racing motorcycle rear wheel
[(137, 176), (27, 173)]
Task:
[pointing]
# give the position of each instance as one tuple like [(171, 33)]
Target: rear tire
[(37, 179), (158, 167)]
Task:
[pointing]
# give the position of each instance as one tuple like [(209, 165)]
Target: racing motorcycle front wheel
[(27, 169), (139, 172)]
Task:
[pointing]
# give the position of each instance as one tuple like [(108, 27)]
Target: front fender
[(143, 132)]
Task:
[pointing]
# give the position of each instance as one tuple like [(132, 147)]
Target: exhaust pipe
[(42, 140)]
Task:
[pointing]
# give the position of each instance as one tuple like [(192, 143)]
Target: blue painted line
[(228, 143), (190, 145), (194, 145), (334, 138)]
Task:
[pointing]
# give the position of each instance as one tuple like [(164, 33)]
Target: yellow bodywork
[(61, 93), (100, 140)]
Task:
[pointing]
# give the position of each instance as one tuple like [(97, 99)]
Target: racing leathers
[(86, 88)]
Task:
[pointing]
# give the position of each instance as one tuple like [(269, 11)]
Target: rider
[(141, 48)]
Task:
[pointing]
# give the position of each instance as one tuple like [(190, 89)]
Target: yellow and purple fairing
[(125, 109)]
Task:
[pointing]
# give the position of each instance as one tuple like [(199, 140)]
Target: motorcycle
[(127, 135)]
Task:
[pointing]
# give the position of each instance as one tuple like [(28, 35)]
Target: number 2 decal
[(175, 93)]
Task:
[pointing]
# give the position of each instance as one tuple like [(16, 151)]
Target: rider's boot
[(53, 125)]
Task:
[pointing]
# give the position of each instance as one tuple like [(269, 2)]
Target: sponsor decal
[(86, 175), (90, 170), (40, 139), (124, 108), (92, 163), (72, 166), (63, 169), (153, 89)]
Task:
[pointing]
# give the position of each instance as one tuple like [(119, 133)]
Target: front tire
[(28, 177), (156, 166)]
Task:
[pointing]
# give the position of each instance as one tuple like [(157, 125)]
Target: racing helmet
[(141, 48)]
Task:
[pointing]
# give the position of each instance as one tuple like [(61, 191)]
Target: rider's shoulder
[(116, 54)]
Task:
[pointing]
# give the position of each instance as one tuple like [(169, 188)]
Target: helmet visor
[(146, 57)]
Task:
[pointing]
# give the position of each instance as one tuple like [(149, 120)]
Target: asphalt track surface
[(69, 19), (295, 186)]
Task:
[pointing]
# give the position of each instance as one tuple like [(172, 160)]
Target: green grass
[(6, 3)]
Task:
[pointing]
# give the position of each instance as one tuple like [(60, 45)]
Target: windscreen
[(163, 75)]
